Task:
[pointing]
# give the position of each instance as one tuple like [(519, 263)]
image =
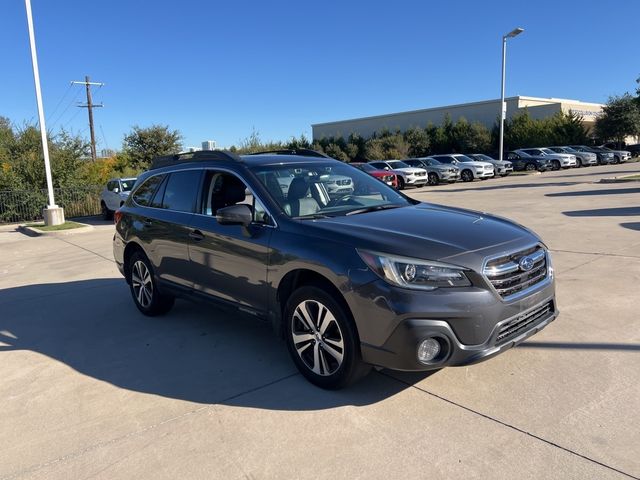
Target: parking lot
[(92, 389)]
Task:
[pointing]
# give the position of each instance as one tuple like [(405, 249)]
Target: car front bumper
[(485, 174), (417, 180), (467, 335)]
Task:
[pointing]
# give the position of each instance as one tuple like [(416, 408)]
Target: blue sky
[(216, 70)]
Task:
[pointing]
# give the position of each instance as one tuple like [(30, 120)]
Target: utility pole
[(90, 106)]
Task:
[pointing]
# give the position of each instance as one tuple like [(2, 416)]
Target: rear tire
[(322, 339), (106, 213), (142, 283)]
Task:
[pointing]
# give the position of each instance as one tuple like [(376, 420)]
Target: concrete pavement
[(92, 389)]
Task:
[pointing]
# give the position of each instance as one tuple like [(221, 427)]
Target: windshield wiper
[(373, 208), (313, 216)]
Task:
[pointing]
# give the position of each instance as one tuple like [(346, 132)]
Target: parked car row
[(435, 169)]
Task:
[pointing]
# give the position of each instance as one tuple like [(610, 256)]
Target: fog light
[(428, 349)]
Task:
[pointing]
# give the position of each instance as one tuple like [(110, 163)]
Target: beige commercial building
[(485, 112)]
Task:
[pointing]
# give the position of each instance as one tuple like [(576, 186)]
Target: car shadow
[(95, 220), (197, 352), (604, 191), (604, 212), (631, 225), (510, 186)]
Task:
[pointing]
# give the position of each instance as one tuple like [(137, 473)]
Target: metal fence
[(26, 205)]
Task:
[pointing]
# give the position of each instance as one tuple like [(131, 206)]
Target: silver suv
[(436, 171), (469, 168), (583, 159), (407, 175)]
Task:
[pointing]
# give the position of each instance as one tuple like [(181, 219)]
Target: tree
[(143, 144), (418, 142), (620, 118)]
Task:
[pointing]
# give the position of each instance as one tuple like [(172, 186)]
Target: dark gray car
[(369, 278)]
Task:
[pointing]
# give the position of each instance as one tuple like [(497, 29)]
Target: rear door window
[(181, 191), (144, 193)]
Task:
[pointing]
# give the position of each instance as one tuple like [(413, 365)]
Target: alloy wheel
[(317, 337), (433, 179), (142, 284)]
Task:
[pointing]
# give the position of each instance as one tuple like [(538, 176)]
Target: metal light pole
[(53, 215), (503, 106)]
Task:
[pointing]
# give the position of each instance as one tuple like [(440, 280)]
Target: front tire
[(530, 167), (466, 176), (578, 163), (143, 288), (401, 185), (322, 339), (556, 165), (433, 179)]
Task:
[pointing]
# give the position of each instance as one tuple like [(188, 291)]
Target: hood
[(475, 164), (431, 232), (409, 169)]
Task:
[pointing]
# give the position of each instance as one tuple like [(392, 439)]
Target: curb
[(618, 180), (36, 232)]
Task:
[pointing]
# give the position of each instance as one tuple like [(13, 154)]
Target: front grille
[(509, 277), (523, 323)]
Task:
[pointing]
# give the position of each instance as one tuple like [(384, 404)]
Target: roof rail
[(304, 152), (198, 156)]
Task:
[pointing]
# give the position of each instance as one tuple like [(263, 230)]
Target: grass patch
[(55, 228)]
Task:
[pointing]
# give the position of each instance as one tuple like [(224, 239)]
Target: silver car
[(583, 159), (436, 172), (501, 167), (469, 169), (619, 156)]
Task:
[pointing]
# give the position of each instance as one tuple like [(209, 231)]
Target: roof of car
[(224, 157)]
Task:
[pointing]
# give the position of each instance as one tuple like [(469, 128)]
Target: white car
[(583, 159), (407, 175), (114, 194), (469, 169), (558, 160)]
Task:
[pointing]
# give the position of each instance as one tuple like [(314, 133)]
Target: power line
[(61, 115), (52, 113)]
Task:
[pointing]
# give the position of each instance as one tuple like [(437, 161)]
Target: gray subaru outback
[(367, 278)]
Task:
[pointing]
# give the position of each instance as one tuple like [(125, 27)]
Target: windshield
[(547, 150), (316, 189), (444, 159), (398, 164), (463, 158), (366, 167), (127, 184)]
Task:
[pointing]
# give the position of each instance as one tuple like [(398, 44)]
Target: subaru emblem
[(526, 263)]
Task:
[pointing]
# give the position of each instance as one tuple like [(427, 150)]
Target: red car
[(387, 177)]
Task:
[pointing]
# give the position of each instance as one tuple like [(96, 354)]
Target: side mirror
[(235, 215), (116, 190)]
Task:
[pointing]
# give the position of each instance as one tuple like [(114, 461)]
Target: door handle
[(196, 235)]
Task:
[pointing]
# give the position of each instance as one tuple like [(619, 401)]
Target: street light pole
[(53, 215), (503, 106)]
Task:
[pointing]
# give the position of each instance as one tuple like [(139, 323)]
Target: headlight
[(414, 273)]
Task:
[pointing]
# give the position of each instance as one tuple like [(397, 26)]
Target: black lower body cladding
[(471, 324)]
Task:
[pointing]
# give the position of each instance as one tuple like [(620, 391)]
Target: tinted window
[(110, 186), (144, 193), (181, 190)]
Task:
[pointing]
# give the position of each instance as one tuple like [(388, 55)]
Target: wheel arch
[(129, 250), (301, 277)]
